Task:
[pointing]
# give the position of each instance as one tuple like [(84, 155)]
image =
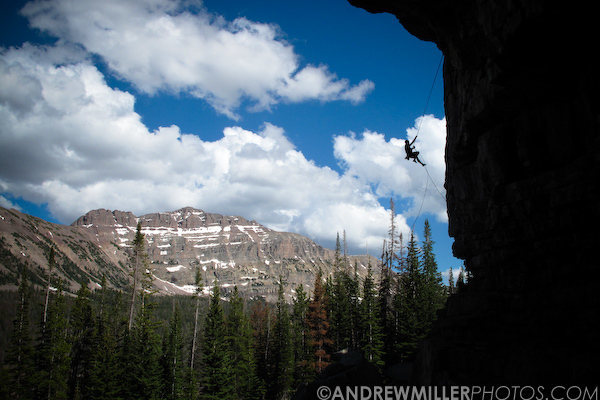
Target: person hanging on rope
[(410, 153)]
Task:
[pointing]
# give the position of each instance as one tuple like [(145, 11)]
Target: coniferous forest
[(134, 344)]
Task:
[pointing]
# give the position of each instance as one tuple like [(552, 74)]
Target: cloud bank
[(381, 163), (159, 46), (70, 141)]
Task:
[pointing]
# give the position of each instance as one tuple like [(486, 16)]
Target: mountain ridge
[(229, 249)]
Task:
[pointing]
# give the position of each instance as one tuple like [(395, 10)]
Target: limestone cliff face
[(522, 158)]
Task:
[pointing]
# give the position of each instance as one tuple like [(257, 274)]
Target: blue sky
[(291, 113)]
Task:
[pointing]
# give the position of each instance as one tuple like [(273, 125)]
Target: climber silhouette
[(408, 147)]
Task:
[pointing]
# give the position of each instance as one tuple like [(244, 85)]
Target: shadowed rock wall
[(522, 157)]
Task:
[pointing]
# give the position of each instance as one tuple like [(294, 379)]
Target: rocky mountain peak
[(231, 250), (102, 217)]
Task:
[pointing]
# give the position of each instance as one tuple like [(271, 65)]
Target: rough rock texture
[(522, 156), (25, 242), (229, 249)]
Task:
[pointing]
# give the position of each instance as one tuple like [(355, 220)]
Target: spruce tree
[(261, 322), (172, 359), (451, 289), (81, 335), (51, 265), (319, 325), (372, 343), (300, 337), (217, 374), (54, 351), (137, 263), (384, 301), (105, 376), (353, 291), (146, 349), (412, 311), (340, 311), (19, 358), (283, 362), (460, 280), (433, 287), (241, 352), (192, 378)]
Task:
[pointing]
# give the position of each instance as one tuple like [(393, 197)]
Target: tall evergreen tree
[(384, 301), (353, 290), (172, 359), (412, 310), (191, 379), (460, 280), (51, 265), (54, 350), (241, 350), (283, 362), (433, 296), (319, 325), (451, 289), (19, 358), (105, 376), (300, 332), (393, 237), (145, 348), (372, 343), (261, 323), (339, 311), (137, 263), (217, 372), (81, 336)]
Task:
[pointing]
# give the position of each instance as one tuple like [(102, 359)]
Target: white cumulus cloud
[(77, 144), (158, 45), (381, 163)]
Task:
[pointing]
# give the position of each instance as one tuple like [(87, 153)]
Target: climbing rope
[(435, 186), (437, 71), (412, 229)]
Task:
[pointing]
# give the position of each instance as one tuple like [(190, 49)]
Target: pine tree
[(125, 364), (337, 261), (451, 289), (241, 352), (53, 351), (460, 280), (393, 236), (191, 379), (19, 358), (81, 329), (261, 322), (338, 304), (172, 359), (217, 372), (319, 326), (145, 345), (105, 377), (300, 337), (51, 264), (282, 349), (433, 287), (384, 300), (137, 263), (340, 313), (353, 290), (412, 310), (372, 343)]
